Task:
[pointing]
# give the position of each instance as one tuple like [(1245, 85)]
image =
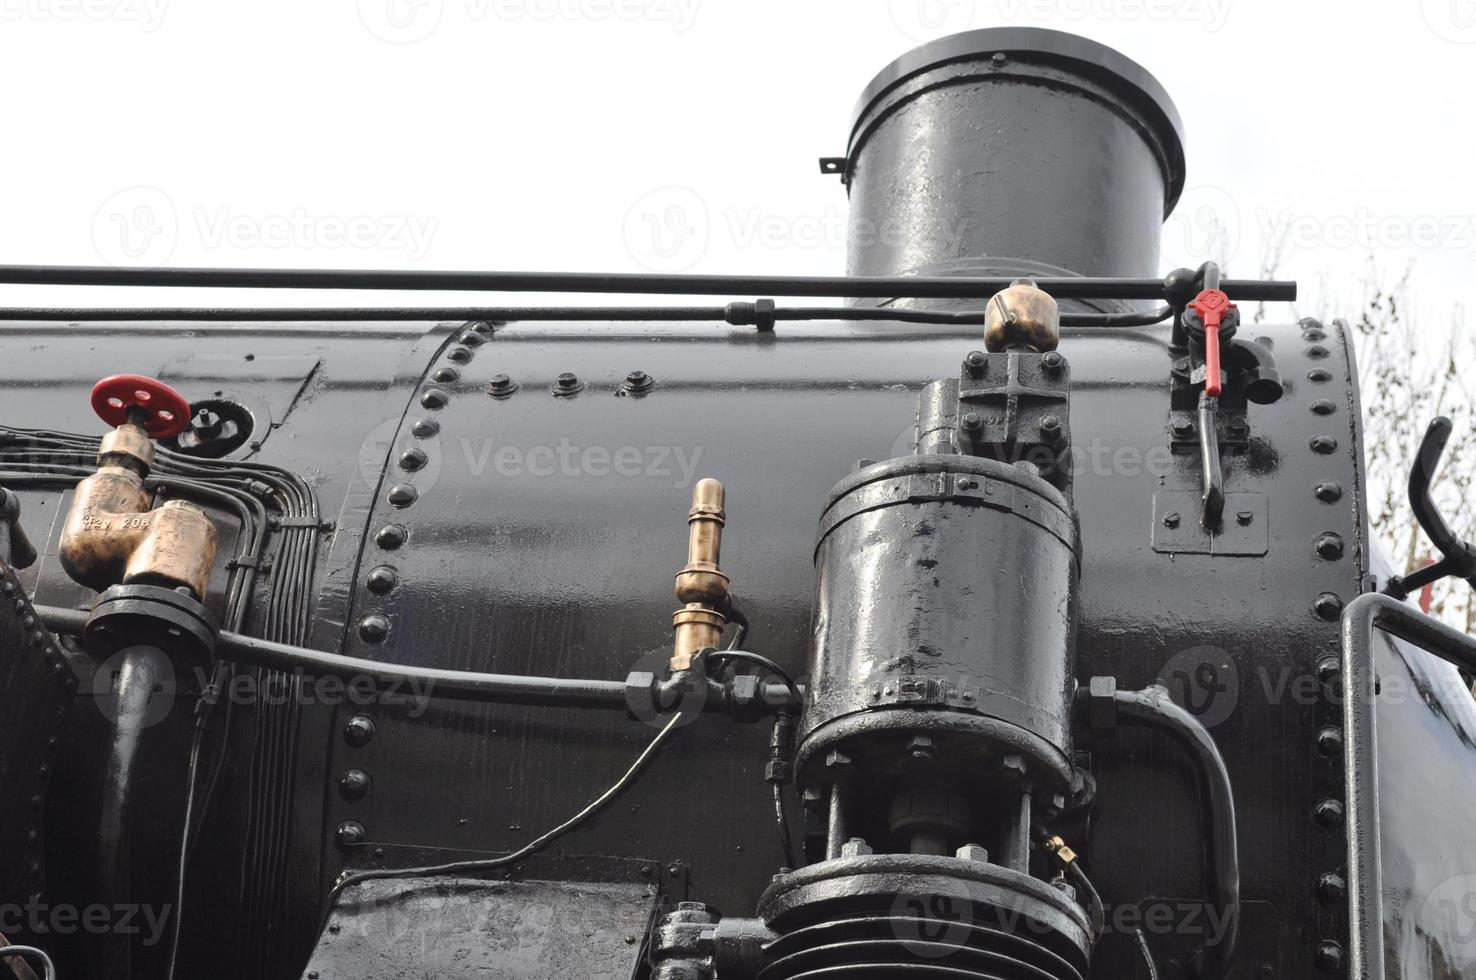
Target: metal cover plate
[(1177, 531)]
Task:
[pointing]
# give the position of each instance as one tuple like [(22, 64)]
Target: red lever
[(1211, 305), (162, 411)]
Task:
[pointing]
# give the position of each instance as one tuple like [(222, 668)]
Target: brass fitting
[(1022, 315), (1062, 851), (112, 536), (701, 584)]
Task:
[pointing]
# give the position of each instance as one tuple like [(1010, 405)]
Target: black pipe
[(139, 671), (1152, 708), (432, 682), (977, 287)]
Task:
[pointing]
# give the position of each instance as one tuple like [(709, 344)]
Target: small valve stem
[(701, 584)]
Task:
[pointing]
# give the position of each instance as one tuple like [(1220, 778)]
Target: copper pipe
[(701, 585), (111, 535)]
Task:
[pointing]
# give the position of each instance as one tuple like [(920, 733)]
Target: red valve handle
[(1212, 305), (164, 411)]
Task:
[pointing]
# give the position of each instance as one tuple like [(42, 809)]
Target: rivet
[(1052, 361), (998, 58), (350, 832), (358, 731), (374, 627), (1329, 546), (391, 536), (1309, 323), (424, 428), (459, 354), (1316, 351), (1323, 406), (1319, 375), (472, 339), (1332, 889), (1328, 814), (354, 785), (1323, 444), (1328, 492), (1330, 742), (1170, 520), (434, 398), (1328, 668), (1328, 605), (1050, 427), (28, 621), (1329, 957), (1244, 518), (413, 459), (402, 495), (7, 589), (381, 579), (446, 374)]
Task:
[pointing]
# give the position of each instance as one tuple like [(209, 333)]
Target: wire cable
[(1096, 909), (1142, 944), (532, 847), (48, 969)]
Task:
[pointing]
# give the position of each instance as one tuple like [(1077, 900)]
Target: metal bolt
[(1332, 889), (855, 847), (459, 354), (1244, 518), (500, 386), (413, 459), (1328, 605), (381, 579), (434, 398), (1052, 362), (1064, 887), (424, 428), (971, 422), (567, 384), (972, 852), (446, 374), (1013, 765), (358, 731), (1323, 444), (1319, 375), (1170, 520), (1183, 429), (1330, 742), (354, 785), (1328, 813), (351, 832), (837, 760), (374, 627), (975, 364), (1329, 546), (1323, 406), (998, 58), (638, 381), (1050, 427), (921, 747), (1328, 492), (402, 495), (391, 536), (1329, 957)]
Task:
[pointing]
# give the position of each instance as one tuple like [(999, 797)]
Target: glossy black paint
[(567, 572)]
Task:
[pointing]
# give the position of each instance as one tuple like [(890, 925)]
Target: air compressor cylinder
[(945, 610)]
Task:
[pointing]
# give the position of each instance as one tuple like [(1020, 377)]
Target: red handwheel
[(164, 411)]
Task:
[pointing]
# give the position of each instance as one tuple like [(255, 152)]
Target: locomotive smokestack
[(1011, 151)]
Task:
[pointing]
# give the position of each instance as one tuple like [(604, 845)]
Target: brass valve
[(1022, 315), (111, 534), (701, 585)]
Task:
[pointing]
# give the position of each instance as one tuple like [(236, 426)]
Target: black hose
[(1152, 708)]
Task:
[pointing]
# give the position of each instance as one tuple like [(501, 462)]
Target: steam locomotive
[(1029, 622)]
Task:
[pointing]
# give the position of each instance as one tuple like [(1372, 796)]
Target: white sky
[(489, 134)]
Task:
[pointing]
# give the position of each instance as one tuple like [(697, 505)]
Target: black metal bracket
[(1458, 557), (1361, 756), (15, 547)]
